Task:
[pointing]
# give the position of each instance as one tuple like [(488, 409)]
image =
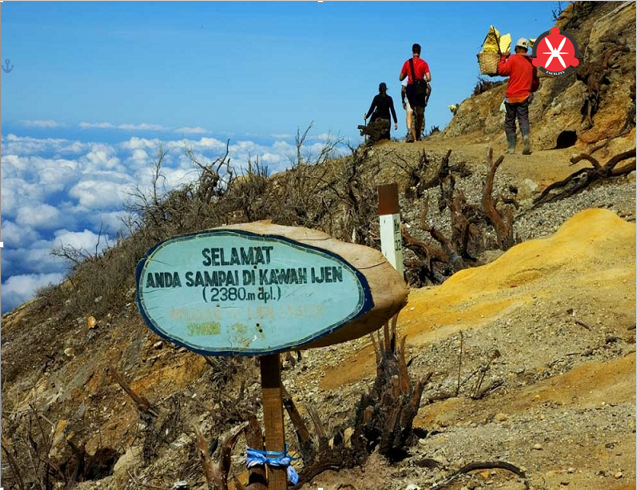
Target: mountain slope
[(548, 327)]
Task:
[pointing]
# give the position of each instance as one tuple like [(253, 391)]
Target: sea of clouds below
[(58, 191)]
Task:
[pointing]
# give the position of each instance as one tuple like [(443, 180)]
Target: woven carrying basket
[(488, 63)]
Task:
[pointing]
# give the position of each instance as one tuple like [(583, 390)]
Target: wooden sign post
[(273, 416), (261, 289), (390, 236)]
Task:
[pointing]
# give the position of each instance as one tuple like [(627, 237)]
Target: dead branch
[(494, 385), (385, 415), (226, 449), (455, 259), (218, 473), (411, 409), (576, 320), (329, 460), (460, 362), (254, 438), (142, 403), (595, 74), (584, 156), (376, 346), (477, 392), (501, 221), (486, 465), (433, 260), (13, 463), (582, 324), (210, 470), (302, 432), (584, 177), (318, 425)]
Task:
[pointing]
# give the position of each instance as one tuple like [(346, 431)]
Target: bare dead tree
[(77, 255), (595, 74), (501, 220), (383, 417), (214, 177), (217, 473), (27, 447)]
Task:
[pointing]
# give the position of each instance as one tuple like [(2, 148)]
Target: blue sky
[(96, 87)]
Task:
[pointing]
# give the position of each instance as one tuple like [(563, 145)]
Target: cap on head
[(382, 87), (522, 43)]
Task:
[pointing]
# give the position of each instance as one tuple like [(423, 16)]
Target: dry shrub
[(483, 84), (317, 192)]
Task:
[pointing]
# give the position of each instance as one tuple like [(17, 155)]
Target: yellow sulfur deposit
[(491, 43), (505, 43), (495, 43)]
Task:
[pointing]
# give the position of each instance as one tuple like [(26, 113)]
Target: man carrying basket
[(416, 70), (523, 81)]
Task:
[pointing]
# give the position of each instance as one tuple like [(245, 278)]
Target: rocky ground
[(563, 403), (531, 355)]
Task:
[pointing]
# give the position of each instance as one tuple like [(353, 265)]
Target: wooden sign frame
[(354, 306), (204, 239)]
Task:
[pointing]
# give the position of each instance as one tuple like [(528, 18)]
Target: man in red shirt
[(523, 81), (420, 71)]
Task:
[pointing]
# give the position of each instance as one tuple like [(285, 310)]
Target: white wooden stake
[(391, 244)]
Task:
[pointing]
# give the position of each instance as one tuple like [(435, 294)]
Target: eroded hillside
[(604, 82), (530, 351)]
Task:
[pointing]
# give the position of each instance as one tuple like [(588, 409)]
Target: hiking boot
[(526, 150), (512, 139)]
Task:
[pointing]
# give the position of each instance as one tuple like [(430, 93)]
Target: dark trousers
[(519, 110), (418, 106)]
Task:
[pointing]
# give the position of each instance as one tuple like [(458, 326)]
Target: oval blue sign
[(233, 292)]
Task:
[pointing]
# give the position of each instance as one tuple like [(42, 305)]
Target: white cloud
[(21, 288), (39, 216), (55, 173), (48, 123), (204, 144), (140, 143), (99, 194), (100, 125), (57, 190), (13, 166), (8, 202), (111, 222), (177, 177), (32, 257), (15, 236), (102, 156), (142, 127), (283, 146), (140, 158), (81, 240), (322, 136), (195, 130), (126, 127), (271, 158), (26, 145)]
